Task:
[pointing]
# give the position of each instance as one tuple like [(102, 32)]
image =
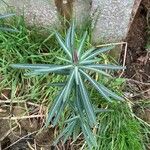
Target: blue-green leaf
[(89, 135), (88, 52), (59, 84), (55, 107), (90, 61), (82, 43), (8, 29), (68, 86), (76, 75), (52, 69), (96, 85), (98, 51), (87, 104), (59, 38), (33, 66), (6, 16), (70, 37), (106, 66), (66, 132), (97, 70), (110, 93), (63, 59)]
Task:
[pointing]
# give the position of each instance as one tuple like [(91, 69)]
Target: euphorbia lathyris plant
[(77, 64)]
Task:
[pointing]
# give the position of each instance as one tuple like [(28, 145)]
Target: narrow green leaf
[(63, 59), (87, 104), (58, 114), (78, 102), (72, 34), (8, 29), (89, 134), (96, 70), (68, 86), (58, 36), (88, 52), (100, 110), (59, 84), (53, 69), (6, 16), (76, 75), (72, 119), (76, 131), (106, 66), (87, 62), (65, 131), (68, 38), (33, 66), (55, 107), (98, 51), (82, 43), (110, 93), (96, 85)]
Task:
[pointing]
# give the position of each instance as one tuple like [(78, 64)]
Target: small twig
[(15, 101), (10, 101), (135, 95), (141, 120), (29, 145), (22, 117), (20, 139), (110, 44), (124, 58), (139, 82), (83, 146)]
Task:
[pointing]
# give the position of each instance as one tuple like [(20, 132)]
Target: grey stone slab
[(81, 11), (37, 12), (111, 19)]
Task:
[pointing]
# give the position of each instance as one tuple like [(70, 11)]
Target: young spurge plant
[(74, 92)]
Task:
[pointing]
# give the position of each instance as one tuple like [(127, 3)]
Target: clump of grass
[(119, 130), (27, 46)]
